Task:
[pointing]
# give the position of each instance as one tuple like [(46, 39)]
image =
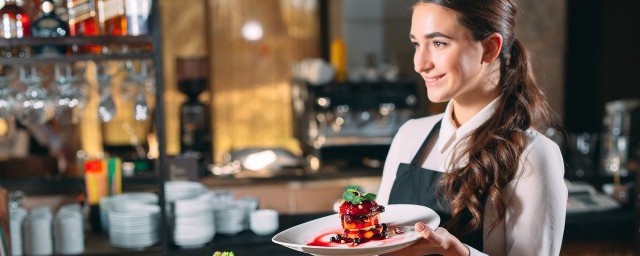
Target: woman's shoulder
[(420, 123), (542, 157), (537, 143)]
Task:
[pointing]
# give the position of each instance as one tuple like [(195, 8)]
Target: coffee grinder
[(195, 133)]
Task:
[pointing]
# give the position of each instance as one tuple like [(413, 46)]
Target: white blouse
[(537, 197)]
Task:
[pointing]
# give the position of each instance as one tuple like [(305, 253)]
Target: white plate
[(407, 215)]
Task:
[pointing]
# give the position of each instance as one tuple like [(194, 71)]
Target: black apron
[(415, 185)]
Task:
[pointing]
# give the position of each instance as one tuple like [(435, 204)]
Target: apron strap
[(417, 159)]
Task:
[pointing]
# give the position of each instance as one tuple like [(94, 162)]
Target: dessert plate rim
[(406, 215)]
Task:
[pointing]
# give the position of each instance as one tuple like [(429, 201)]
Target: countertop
[(613, 225)]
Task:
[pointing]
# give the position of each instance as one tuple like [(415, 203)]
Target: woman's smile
[(431, 81)]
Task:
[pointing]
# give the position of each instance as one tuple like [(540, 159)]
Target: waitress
[(495, 181)]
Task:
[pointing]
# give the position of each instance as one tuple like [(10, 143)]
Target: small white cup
[(264, 222)]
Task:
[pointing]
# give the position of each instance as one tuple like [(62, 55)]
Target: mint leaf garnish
[(355, 195), (369, 197), (348, 196)]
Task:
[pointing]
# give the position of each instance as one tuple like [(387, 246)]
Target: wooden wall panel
[(251, 90), (541, 25)]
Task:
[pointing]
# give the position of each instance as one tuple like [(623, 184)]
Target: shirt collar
[(449, 134)]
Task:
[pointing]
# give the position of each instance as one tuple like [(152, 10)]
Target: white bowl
[(264, 222)]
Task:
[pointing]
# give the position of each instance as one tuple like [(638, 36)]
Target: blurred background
[(283, 104)]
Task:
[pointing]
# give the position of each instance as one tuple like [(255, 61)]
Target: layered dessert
[(360, 216)]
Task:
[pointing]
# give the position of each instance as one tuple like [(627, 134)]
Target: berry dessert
[(360, 216)]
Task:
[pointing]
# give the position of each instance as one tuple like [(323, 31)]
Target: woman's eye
[(439, 44), (415, 45)]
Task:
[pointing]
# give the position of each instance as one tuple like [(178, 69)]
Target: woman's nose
[(422, 61)]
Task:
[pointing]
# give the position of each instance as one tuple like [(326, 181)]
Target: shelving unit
[(75, 58), (33, 41), (79, 40), (99, 244)]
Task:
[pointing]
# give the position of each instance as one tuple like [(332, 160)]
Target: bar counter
[(605, 232), (607, 227)]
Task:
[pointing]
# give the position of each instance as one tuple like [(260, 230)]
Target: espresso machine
[(620, 144), (350, 124)]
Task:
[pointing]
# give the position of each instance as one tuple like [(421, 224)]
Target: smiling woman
[(484, 167), (450, 60)]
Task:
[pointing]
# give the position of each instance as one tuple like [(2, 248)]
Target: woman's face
[(446, 54)]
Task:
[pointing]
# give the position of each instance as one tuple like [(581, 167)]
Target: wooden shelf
[(79, 40), (74, 58)]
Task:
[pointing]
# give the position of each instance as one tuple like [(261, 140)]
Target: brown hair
[(494, 149)]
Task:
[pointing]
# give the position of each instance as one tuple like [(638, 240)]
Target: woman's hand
[(437, 241)]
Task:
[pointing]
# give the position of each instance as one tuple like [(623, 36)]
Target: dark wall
[(603, 59)]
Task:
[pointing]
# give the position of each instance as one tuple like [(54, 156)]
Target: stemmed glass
[(7, 122), (106, 107), (6, 93), (32, 103), (68, 94), (141, 109), (136, 85), (129, 84)]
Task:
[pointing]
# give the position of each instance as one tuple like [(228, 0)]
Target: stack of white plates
[(38, 238), (134, 226), (68, 231), (220, 196), (193, 224), (16, 217), (121, 201), (250, 204), (229, 218), (176, 190)]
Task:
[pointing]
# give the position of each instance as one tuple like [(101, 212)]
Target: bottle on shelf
[(112, 21), (49, 25), (83, 22), (60, 7), (32, 7), (14, 22), (137, 15), (111, 17)]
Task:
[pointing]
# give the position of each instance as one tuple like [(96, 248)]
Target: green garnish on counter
[(355, 196), (223, 254)]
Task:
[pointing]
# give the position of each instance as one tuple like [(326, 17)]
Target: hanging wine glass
[(68, 94), (31, 104), (6, 93), (129, 85), (141, 109), (106, 107), (150, 80)]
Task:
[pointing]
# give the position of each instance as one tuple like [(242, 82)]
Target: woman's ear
[(492, 46)]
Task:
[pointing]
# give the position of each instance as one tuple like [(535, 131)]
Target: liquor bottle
[(83, 22), (137, 13), (60, 8), (111, 17), (15, 24), (32, 7), (49, 25), (112, 22)]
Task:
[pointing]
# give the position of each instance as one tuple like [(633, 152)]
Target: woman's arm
[(536, 211)]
